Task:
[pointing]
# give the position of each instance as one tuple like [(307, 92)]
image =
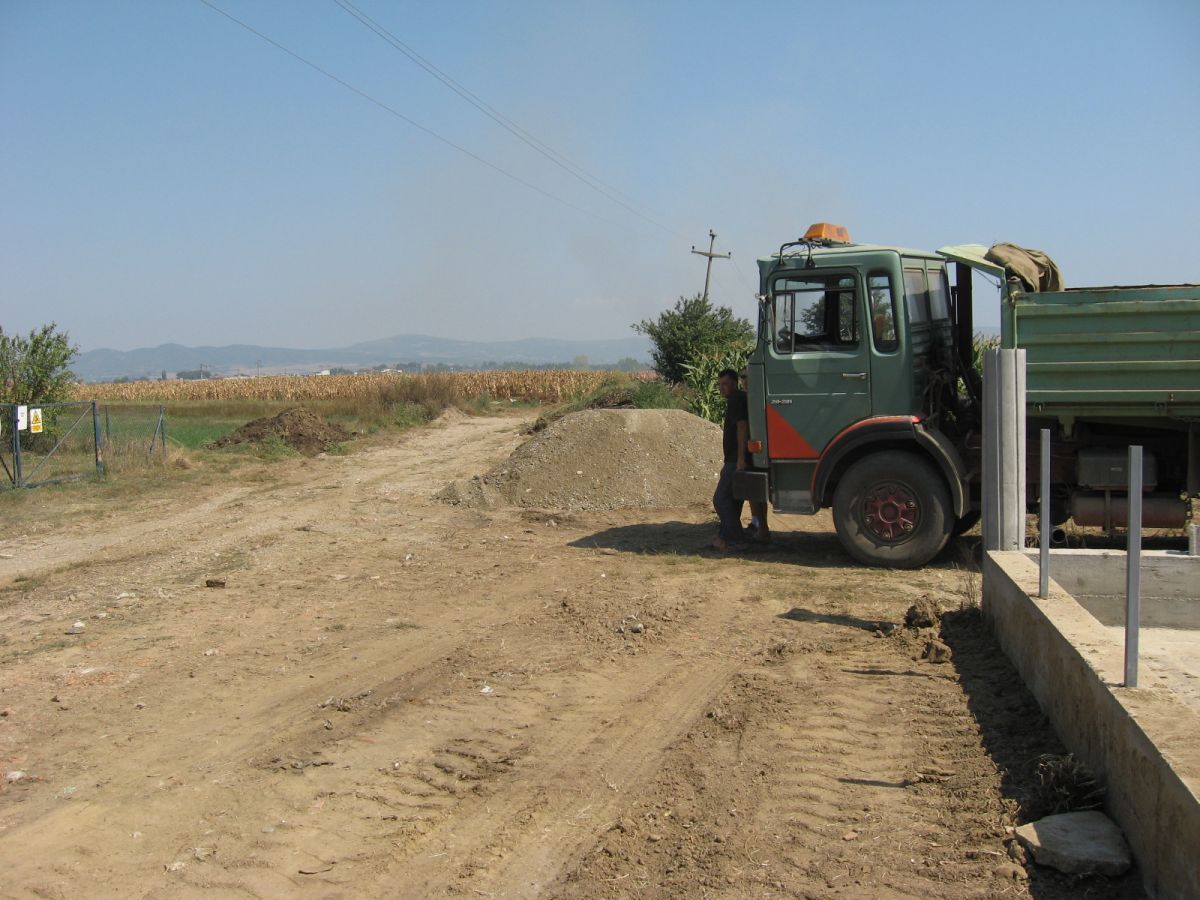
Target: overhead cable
[(399, 115), (559, 159)]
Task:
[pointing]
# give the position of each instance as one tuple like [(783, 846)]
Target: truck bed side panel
[(1127, 353)]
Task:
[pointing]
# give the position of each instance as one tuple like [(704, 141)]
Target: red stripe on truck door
[(784, 441)]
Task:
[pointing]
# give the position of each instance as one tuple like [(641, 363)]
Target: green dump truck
[(864, 398)]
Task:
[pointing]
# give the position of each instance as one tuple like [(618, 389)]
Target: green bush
[(692, 331), (37, 368)]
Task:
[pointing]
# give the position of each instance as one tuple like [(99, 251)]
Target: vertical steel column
[(1133, 568), (1044, 519)]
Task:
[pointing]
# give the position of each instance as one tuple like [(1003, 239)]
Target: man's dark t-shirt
[(736, 410)]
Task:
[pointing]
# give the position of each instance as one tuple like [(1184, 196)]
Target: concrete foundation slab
[(1169, 639), (1144, 742)]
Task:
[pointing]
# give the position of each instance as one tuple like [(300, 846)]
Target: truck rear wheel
[(893, 509)]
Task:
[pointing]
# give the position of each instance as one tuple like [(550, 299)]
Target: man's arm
[(743, 435)]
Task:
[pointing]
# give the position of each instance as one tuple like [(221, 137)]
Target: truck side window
[(883, 313), (917, 292), (939, 294), (783, 322), (815, 312)]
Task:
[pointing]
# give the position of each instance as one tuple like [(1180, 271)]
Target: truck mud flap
[(750, 486)]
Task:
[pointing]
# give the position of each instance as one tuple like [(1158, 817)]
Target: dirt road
[(394, 697)]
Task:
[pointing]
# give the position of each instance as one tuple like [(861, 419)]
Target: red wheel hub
[(890, 512)]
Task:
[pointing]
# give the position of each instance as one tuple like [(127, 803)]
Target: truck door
[(818, 372)]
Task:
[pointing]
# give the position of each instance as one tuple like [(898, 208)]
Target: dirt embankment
[(603, 459)]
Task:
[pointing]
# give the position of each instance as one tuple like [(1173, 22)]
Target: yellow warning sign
[(35, 421)]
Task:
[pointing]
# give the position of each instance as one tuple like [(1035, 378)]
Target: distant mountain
[(151, 362)]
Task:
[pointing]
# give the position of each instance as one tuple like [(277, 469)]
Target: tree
[(692, 330), (628, 364), (36, 369)]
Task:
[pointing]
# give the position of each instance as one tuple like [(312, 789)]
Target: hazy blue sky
[(166, 175)]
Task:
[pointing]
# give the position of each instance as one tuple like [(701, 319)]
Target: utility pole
[(712, 239)]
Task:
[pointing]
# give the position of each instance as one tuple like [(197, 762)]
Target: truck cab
[(864, 398), (859, 399)]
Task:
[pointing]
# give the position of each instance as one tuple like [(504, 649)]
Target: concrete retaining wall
[(1144, 743)]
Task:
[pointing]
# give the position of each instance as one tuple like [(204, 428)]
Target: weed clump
[(1064, 784)]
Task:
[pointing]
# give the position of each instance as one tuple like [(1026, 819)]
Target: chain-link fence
[(132, 436), (48, 443), (54, 442)]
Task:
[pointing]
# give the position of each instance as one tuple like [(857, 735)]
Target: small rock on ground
[(1077, 843)]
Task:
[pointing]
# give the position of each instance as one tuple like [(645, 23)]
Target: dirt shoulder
[(392, 696)]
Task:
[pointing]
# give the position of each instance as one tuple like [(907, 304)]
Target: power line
[(559, 159), (745, 278), (399, 115), (712, 240)]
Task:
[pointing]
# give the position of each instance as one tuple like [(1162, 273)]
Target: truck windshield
[(815, 312)]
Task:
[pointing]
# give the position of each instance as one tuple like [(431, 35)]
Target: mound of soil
[(300, 429), (604, 459)]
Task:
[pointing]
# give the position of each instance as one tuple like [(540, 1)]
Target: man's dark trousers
[(729, 509)]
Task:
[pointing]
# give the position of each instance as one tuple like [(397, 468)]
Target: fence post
[(1044, 519), (16, 442), (1004, 449), (96, 438), (1133, 567), (162, 422)]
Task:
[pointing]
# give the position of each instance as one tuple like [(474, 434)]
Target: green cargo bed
[(1122, 352)]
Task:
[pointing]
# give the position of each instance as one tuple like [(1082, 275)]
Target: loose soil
[(301, 429), (397, 697), (603, 459)]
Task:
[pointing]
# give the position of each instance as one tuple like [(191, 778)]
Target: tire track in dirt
[(482, 779), (836, 766)]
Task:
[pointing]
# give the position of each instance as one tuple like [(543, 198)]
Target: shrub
[(36, 369), (692, 331)]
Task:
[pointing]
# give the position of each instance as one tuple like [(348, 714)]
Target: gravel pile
[(604, 459)]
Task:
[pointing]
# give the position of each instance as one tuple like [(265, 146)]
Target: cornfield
[(542, 386)]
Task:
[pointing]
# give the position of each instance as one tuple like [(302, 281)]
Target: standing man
[(759, 531), (737, 432)]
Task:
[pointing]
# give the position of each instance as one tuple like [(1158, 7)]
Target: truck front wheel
[(892, 509)]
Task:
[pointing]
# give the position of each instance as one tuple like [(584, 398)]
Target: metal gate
[(48, 443)]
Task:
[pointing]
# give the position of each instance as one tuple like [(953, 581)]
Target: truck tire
[(966, 523), (893, 509)]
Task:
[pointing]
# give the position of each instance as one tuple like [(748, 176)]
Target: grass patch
[(26, 583), (619, 392)]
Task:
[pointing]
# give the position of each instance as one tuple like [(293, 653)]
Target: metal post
[(16, 439), (1044, 519), (162, 425), (1133, 568), (96, 438)]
